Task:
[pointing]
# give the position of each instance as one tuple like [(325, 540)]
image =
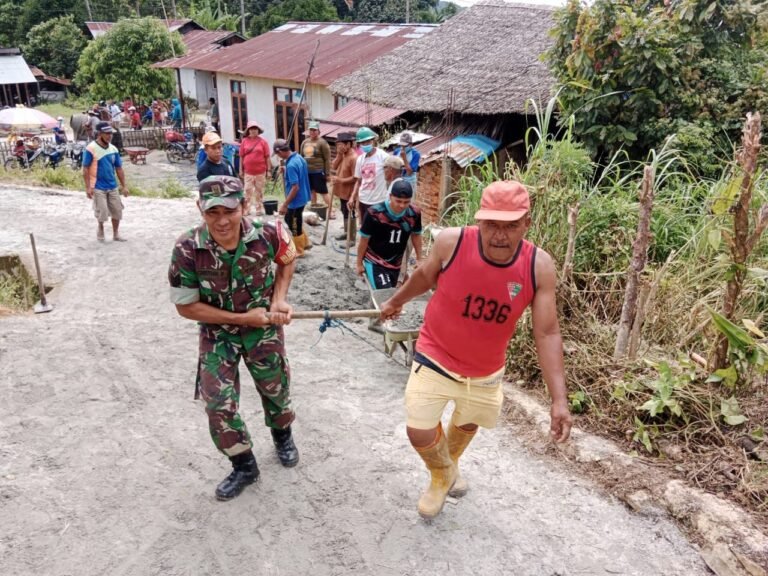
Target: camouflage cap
[(220, 191)]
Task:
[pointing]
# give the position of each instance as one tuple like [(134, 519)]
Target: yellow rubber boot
[(298, 242), (443, 475), (458, 440), (307, 241)]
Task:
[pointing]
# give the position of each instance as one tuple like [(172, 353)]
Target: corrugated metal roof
[(283, 53), (203, 41), (464, 150), (39, 74), (14, 70), (331, 130), (364, 114)]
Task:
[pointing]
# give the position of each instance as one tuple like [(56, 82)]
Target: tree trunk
[(636, 266), (742, 243)]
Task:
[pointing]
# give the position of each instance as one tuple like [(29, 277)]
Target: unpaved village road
[(106, 466)]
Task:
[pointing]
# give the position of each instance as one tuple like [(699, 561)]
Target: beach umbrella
[(21, 119)]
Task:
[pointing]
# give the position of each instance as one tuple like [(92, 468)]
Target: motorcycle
[(180, 146), (53, 154), (24, 155), (75, 153)]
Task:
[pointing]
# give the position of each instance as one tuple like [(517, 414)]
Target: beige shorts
[(107, 204), (478, 400)]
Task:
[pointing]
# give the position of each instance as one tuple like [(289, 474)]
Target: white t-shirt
[(370, 171)]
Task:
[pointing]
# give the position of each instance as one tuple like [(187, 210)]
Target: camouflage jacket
[(203, 271)]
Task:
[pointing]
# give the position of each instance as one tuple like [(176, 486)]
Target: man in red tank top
[(486, 276)]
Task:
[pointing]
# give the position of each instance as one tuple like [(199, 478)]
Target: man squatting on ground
[(101, 163), (221, 276), (486, 277), (384, 235)]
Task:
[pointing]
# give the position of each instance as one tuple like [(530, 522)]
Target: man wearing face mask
[(370, 184), (386, 228), (410, 157)]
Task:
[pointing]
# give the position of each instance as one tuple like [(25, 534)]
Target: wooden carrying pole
[(333, 314)]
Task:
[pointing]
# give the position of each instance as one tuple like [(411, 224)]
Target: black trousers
[(295, 220)]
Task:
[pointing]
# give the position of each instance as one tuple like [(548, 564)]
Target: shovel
[(43, 305)]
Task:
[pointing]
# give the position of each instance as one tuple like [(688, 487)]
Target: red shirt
[(135, 120), (472, 315), (254, 154)]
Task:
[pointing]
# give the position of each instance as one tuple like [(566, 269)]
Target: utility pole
[(173, 9), (88, 8), (407, 11), (242, 16)]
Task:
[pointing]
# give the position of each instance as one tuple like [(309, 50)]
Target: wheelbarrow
[(402, 332)]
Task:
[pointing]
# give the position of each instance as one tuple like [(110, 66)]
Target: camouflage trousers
[(218, 381)]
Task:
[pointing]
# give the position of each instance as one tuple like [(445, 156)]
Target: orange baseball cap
[(211, 138), (505, 200)]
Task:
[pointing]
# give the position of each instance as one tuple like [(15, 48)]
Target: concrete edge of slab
[(731, 544)]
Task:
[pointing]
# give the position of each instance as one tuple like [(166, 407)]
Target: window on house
[(239, 106), (339, 102)]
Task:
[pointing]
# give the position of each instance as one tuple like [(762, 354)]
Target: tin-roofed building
[(262, 79), (18, 84)]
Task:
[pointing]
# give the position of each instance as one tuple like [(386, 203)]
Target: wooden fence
[(152, 138)]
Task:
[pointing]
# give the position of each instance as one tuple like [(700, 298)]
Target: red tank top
[(473, 313)]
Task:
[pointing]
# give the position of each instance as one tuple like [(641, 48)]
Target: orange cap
[(506, 200), (211, 138)]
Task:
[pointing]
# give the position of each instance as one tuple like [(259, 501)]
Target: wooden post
[(637, 264), (181, 101)]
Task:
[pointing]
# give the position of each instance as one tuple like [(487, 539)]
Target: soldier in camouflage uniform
[(221, 275)]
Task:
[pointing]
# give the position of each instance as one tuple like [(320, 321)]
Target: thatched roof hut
[(489, 54)]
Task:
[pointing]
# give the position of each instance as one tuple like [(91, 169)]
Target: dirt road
[(106, 466)]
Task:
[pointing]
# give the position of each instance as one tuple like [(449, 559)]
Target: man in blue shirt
[(410, 157), (101, 163), (297, 193)]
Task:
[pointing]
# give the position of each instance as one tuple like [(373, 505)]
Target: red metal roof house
[(261, 79)]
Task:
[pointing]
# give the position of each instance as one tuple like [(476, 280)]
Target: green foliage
[(10, 27), (747, 349), (665, 389), (34, 12), (118, 64), (17, 293), (632, 73), (281, 12), (169, 189), (55, 45), (213, 15), (578, 401), (391, 10)]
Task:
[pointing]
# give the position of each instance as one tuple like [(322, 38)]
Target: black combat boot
[(244, 472), (286, 449)]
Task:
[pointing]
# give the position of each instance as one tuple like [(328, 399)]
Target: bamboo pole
[(333, 314)]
